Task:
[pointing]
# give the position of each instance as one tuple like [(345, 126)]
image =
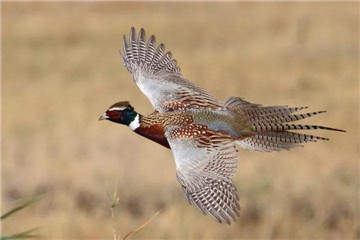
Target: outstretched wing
[(159, 78), (205, 161)]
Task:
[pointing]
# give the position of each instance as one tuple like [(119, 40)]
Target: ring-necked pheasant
[(202, 131)]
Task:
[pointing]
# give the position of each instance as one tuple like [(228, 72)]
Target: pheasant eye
[(114, 115)]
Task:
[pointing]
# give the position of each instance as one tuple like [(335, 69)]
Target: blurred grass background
[(61, 70)]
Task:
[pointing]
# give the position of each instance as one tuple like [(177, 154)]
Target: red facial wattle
[(114, 115)]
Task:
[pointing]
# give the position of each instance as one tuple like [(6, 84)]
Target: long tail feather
[(268, 126), (271, 126)]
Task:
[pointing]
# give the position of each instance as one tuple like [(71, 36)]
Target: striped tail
[(146, 56), (271, 126)]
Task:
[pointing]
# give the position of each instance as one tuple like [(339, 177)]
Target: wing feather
[(158, 76), (206, 161)]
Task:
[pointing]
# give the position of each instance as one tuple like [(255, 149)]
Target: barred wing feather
[(205, 161), (159, 78)]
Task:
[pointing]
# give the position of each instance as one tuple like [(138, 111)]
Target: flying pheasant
[(202, 131)]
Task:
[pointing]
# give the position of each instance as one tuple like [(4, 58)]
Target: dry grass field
[(61, 70)]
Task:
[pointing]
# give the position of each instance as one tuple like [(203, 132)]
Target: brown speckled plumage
[(167, 119)]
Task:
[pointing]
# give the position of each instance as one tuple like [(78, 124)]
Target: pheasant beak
[(104, 116)]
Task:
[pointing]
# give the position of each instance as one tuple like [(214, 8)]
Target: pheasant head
[(123, 113)]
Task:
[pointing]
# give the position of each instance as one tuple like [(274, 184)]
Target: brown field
[(61, 70)]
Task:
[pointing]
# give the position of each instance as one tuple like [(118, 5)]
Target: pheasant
[(201, 131)]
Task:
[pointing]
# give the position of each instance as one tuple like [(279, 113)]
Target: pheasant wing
[(159, 78), (205, 161)]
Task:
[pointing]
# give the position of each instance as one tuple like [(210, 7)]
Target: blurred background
[(61, 70)]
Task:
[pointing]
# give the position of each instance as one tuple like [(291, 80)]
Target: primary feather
[(159, 78)]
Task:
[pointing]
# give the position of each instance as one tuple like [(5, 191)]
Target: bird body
[(202, 131)]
